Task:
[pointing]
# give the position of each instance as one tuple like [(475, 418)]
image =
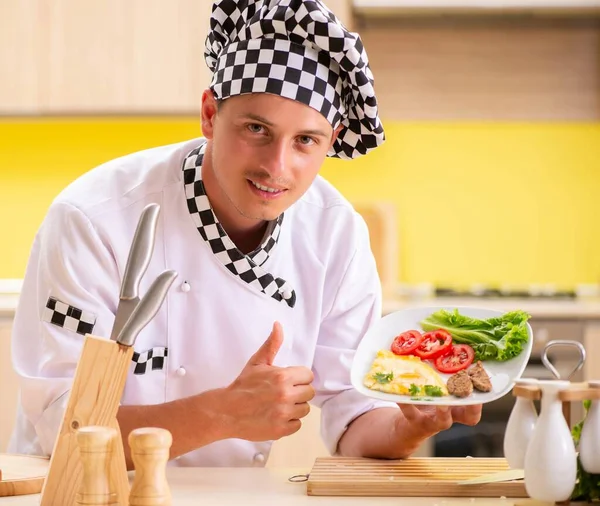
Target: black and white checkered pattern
[(297, 49), (68, 317), (149, 360), (246, 267)]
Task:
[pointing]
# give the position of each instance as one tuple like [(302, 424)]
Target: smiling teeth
[(264, 188)]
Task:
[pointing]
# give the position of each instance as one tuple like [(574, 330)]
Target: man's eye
[(306, 140), (255, 128)]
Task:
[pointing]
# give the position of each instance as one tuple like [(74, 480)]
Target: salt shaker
[(550, 460), (589, 442), (519, 428)]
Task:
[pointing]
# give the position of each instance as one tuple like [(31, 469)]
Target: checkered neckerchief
[(246, 267)]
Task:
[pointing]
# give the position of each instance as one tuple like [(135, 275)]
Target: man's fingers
[(443, 417), (298, 375), (431, 419), (292, 426), (467, 415), (411, 412), (300, 411), (302, 393), (268, 351)]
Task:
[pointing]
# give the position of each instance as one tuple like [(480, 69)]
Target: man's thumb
[(268, 351)]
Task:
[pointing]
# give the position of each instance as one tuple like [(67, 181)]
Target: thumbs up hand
[(266, 401), (268, 351)]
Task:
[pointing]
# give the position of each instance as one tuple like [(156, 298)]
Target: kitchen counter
[(263, 486), (9, 296), (537, 308), (8, 304)]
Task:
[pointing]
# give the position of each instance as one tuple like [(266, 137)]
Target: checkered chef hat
[(297, 49)]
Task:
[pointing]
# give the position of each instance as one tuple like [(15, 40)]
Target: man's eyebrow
[(260, 119)]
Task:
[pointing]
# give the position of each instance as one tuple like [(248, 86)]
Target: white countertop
[(264, 487)]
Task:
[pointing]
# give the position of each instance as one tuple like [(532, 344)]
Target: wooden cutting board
[(414, 477), (22, 474)]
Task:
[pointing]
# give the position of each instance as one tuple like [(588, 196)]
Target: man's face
[(265, 150)]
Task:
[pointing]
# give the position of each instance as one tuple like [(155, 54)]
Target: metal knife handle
[(147, 308), (140, 252)]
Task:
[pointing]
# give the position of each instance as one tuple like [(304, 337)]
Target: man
[(264, 249)]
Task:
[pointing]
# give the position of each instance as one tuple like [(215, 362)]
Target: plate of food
[(443, 355)]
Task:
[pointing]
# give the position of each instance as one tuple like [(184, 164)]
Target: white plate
[(502, 374)]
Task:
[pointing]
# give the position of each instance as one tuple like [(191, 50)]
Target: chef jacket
[(212, 320)]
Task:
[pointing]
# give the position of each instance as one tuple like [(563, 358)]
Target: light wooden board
[(22, 474), (415, 477)]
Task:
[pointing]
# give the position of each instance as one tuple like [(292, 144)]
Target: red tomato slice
[(407, 342), (460, 357), (434, 344)]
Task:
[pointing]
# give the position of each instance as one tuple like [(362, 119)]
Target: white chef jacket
[(211, 321)]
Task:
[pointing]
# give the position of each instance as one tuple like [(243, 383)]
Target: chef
[(276, 281)]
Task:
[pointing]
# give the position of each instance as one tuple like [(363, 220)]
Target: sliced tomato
[(434, 344), (460, 357), (407, 342)]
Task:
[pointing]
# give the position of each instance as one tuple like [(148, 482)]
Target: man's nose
[(275, 158)]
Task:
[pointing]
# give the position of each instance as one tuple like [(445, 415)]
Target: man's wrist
[(214, 406)]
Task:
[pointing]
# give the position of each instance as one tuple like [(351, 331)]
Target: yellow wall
[(493, 203)]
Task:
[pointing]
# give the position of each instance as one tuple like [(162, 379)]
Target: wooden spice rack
[(575, 392)]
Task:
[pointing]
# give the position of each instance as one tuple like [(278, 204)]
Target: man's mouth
[(266, 188)]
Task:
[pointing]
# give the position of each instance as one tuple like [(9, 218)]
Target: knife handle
[(147, 308), (140, 252)]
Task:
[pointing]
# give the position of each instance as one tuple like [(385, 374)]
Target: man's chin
[(264, 214)]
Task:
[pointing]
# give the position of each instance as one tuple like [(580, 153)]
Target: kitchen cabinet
[(110, 57), (19, 71), (146, 57), (479, 7), (67, 56), (116, 56)]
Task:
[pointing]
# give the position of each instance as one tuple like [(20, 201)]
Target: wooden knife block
[(94, 400)]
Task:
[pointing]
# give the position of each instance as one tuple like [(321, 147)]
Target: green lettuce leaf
[(500, 338)]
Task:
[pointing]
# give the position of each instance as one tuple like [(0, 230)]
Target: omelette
[(404, 375)]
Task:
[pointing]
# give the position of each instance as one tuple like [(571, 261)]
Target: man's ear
[(336, 132), (208, 112)]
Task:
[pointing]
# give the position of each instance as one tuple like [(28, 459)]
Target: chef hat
[(297, 49)]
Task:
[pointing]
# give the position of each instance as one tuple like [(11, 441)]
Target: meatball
[(460, 384), (481, 380)]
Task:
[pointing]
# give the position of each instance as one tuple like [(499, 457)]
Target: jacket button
[(185, 287), (181, 371), (259, 459)]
